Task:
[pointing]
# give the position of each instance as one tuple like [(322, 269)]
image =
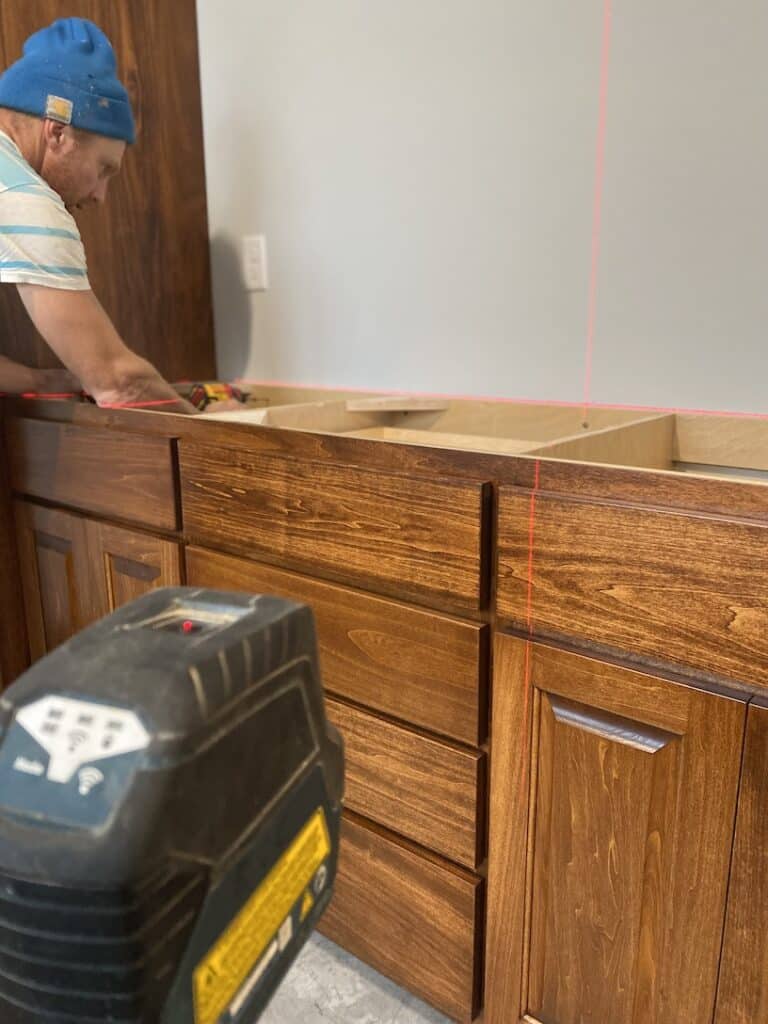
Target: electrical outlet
[(255, 263)]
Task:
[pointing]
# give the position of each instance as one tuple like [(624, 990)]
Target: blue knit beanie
[(69, 73)]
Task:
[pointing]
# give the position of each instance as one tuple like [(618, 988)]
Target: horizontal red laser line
[(454, 397), (42, 394)]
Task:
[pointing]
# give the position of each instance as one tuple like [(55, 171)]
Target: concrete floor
[(328, 985)]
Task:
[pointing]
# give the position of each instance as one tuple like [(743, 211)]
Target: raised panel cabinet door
[(55, 573), (127, 564), (743, 995), (613, 796)]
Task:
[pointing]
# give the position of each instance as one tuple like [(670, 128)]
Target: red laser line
[(558, 403), (40, 394), (598, 209)]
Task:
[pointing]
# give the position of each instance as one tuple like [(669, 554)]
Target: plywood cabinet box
[(545, 641)]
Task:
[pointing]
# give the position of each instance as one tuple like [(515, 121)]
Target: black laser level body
[(170, 801)]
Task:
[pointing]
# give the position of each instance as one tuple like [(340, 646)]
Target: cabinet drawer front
[(409, 917), (680, 588), (125, 476), (424, 668), (426, 790), (396, 533)]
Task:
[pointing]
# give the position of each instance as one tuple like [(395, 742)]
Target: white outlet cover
[(255, 272)]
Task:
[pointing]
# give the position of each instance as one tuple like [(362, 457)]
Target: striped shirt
[(39, 240)]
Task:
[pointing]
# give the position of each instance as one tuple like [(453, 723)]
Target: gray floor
[(327, 984)]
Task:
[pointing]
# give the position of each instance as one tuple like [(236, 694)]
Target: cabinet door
[(127, 564), (58, 597), (743, 996), (613, 796)]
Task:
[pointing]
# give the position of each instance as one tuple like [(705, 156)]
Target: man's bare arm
[(84, 338), (16, 379)]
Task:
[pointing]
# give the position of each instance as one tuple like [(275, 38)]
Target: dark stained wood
[(56, 574), (630, 781), (420, 537), (691, 590), (743, 994), (423, 789), (646, 487), (127, 476), (14, 647), (147, 248), (129, 564), (732, 498), (409, 916), (424, 668)]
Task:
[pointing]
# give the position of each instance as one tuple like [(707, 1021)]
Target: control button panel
[(77, 732)]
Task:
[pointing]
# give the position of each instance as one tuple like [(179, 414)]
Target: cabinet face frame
[(671, 756), (743, 992)]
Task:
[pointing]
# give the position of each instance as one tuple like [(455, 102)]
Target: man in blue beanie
[(65, 122)]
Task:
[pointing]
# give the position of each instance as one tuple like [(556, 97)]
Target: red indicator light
[(187, 626)]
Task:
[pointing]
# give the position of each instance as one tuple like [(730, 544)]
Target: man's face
[(79, 166)]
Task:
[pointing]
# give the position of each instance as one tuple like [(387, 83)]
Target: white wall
[(424, 171)]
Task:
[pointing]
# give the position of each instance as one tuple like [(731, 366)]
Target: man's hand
[(81, 334)]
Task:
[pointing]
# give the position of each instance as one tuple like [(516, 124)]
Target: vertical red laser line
[(598, 211), (529, 622)]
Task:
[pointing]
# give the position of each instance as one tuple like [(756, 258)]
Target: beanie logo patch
[(59, 109)]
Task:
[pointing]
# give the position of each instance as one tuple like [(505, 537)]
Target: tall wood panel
[(147, 247), (14, 653)]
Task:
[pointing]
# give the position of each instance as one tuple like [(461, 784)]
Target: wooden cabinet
[(641, 579), (426, 669), (415, 919), (75, 570), (388, 532), (613, 796), (128, 563), (56, 575), (743, 995), (412, 684)]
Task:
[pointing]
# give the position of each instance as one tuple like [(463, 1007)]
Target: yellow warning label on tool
[(228, 964)]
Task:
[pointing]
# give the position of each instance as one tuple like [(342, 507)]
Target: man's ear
[(54, 133)]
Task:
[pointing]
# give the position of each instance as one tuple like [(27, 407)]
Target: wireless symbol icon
[(76, 737), (88, 778)]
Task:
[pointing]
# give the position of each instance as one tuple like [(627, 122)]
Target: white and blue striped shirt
[(39, 240)]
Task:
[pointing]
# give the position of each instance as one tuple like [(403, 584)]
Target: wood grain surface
[(612, 803), (57, 575), (424, 668), (743, 995), (125, 476), (408, 916), (423, 789), (129, 564), (419, 537), (731, 498), (685, 589), (14, 646), (148, 247)]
